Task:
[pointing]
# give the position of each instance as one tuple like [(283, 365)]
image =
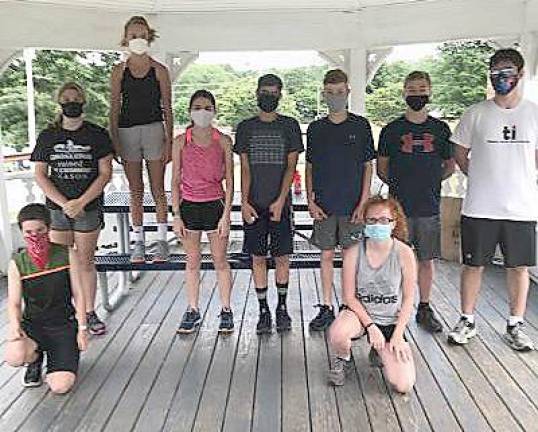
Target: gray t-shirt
[(267, 145)]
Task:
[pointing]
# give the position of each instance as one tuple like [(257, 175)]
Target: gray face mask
[(336, 103)]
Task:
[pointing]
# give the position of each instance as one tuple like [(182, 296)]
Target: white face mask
[(138, 46), (202, 118)]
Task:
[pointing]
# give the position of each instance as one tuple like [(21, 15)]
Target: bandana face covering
[(38, 246)]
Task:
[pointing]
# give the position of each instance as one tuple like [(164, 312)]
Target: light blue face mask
[(378, 232)]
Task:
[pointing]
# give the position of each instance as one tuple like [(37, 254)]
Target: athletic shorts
[(201, 216), (333, 231), (88, 221), (480, 237), (425, 236), (59, 342), (142, 142), (265, 235)]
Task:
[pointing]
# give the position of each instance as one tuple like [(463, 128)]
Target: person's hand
[(167, 151), (357, 216), (399, 348), (73, 208), (316, 212), (82, 340), (223, 228), (15, 333), (275, 210), (179, 227), (249, 213), (375, 337)]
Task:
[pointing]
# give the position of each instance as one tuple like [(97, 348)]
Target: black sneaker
[(96, 327), (265, 322), (283, 320), (323, 319), (33, 375), (190, 321), (226, 321), (427, 320)]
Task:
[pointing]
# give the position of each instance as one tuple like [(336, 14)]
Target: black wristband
[(369, 325)]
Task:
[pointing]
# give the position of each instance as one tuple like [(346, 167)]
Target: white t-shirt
[(502, 168)]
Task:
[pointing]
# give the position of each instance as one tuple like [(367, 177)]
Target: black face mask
[(417, 102), (267, 102), (72, 109)]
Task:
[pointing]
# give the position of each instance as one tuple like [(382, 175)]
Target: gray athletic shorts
[(333, 231), (87, 222), (425, 236), (142, 142)]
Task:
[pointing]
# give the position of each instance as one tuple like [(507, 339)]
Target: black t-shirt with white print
[(73, 158)]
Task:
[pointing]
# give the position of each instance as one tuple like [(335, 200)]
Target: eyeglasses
[(381, 220)]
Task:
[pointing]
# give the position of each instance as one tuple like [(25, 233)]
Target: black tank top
[(140, 99)]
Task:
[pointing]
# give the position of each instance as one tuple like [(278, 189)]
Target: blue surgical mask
[(378, 232)]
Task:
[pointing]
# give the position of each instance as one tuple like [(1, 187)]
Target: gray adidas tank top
[(380, 289)]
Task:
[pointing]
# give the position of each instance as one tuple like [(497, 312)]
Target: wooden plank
[(158, 403), (323, 406), (212, 407), (239, 409), (295, 408)]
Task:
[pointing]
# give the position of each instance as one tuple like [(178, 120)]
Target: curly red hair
[(400, 228)]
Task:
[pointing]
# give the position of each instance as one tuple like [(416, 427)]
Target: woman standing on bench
[(379, 280), (202, 159), (140, 96), (49, 323), (73, 164)]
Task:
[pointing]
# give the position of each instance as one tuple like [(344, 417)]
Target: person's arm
[(461, 154), (409, 282), (288, 176), (229, 174), (41, 173), (175, 186), (366, 179), (449, 166), (115, 106), (166, 95), (308, 182), (382, 168), (14, 302)]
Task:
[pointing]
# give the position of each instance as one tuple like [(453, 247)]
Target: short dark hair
[(269, 80), (335, 76), (507, 54), (34, 211), (205, 94), (417, 75)]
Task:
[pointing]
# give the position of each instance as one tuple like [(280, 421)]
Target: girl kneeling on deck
[(379, 279), (202, 159), (39, 275)]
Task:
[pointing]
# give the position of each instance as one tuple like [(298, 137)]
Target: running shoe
[(162, 251), (226, 321), (33, 374), (337, 374), (265, 322), (190, 321), (323, 319), (427, 320), (138, 255), (516, 338), (96, 327), (462, 332), (283, 320)]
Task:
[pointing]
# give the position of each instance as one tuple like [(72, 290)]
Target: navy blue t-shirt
[(416, 153), (338, 153)]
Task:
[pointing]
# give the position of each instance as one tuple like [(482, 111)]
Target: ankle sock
[(282, 290), (470, 317), (261, 293), (138, 234), (514, 319)]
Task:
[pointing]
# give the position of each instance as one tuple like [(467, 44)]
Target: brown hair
[(138, 19), (400, 228), (71, 85), (507, 54), (335, 76), (418, 75)]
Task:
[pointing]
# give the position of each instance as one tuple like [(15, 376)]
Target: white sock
[(470, 317), (513, 320), (162, 230), (138, 234)]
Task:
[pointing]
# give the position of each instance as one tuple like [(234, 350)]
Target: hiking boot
[(374, 358), (427, 320), (516, 338), (33, 375), (138, 254), (190, 321), (462, 332), (226, 321), (162, 251), (337, 374), (283, 320), (265, 322), (96, 327), (323, 319)]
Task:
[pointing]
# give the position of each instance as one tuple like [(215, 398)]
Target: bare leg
[(133, 172), (219, 248), (425, 279), (156, 180), (282, 269), (471, 278), (191, 244), (344, 327), (327, 275), (20, 352), (61, 382), (401, 374), (83, 265), (518, 287), (259, 271)]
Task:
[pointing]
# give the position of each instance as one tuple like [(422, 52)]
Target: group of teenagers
[(388, 245)]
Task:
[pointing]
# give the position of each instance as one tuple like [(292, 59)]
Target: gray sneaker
[(162, 251), (337, 375), (138, 254), (516, 338), (462, 332)]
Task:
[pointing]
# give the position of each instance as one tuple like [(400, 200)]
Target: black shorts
[(201, 216), (59, 342), (264, 235), (480, 237)]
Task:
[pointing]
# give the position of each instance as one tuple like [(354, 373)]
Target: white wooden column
[(29, 55), (356, 66)]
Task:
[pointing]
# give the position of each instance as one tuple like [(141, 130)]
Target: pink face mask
[(38, 246)]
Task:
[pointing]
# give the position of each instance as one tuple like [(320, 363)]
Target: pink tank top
[(202, 169)]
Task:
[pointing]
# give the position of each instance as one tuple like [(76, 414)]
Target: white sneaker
[(462, 332), (516, 338)]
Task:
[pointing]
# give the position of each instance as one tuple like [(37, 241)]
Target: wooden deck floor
[(143, 377)]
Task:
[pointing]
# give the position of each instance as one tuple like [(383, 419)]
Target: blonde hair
[(70, 85), (400, 229), (138, 19)]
